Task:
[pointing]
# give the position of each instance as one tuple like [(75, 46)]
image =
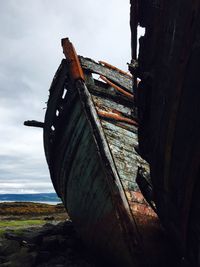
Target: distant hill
[(43, 197)]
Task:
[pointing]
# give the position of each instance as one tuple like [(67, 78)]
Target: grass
[(17, 231), (20, 223), (17, 226)]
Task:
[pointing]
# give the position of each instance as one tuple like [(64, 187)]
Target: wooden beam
[(34, 123), (113, 75)]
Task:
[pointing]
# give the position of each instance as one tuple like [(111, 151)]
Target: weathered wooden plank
[(109, 93), (116, 130), (122, 148), (126, 163), (68, 147), (127, 160), (117, 77), (107, 105), (118, 142), (56, 91)]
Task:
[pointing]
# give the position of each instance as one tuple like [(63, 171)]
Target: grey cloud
[(30, 53)]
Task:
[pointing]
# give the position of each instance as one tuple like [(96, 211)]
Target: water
[(42, 202), (48, 198)]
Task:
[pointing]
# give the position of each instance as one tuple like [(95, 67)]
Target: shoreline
[(37, 201), (31, 211), (39, 235)]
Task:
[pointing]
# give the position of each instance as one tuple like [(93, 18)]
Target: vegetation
[(16, 216), (17, 226), (20, 223), (29, 208)]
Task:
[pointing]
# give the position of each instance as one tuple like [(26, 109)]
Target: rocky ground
[(51, 244), (42, 235)]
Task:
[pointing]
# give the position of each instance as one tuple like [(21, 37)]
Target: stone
[(47, 246), (23, 258), (13, 236), (49, 218), (8, 247), (33, 236), (2, 259), (50, 242), (65, 228), (43, 256), (57, 260)]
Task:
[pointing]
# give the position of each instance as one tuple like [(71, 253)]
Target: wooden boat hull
[(89, 139), (81, 179)]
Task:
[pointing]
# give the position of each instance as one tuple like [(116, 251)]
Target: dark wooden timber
[(168, 107), (34, 123)]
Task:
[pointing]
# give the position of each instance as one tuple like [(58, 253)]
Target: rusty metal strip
[(114, 68), (71, 55), (119, 89), (116, 117)]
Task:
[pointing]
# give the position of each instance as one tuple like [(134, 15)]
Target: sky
[(30, 53)]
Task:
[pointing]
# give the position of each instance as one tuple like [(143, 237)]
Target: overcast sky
[(30, 53)]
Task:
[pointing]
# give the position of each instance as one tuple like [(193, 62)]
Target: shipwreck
[(167, 100), (123, 150), (89, 138)]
